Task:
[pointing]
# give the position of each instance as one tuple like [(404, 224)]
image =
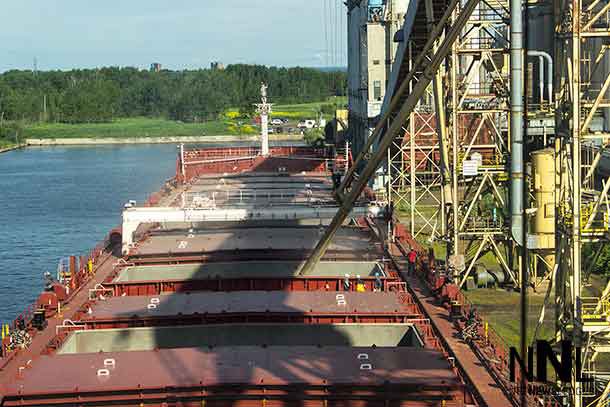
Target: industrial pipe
[(516, 120), (549, 77), (541, 77)]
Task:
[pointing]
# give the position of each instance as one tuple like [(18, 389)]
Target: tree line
[(101, 95)]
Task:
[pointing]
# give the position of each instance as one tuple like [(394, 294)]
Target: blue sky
[(65, 34)]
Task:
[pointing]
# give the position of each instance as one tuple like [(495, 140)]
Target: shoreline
[(152, 140), (17, 147)]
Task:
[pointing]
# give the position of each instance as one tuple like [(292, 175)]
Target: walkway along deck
[(483, 385)]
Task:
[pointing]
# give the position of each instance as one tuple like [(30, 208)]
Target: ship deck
[(247, 302), (232, 374), (232, 239), (218, 314), (313, 307)]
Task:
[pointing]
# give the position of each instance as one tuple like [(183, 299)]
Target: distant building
[(155, 67), (372, 25), (217, 66)]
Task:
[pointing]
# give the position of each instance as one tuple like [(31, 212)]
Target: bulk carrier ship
[(197, 299)]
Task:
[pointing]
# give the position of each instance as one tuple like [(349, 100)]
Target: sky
[(179, 34)]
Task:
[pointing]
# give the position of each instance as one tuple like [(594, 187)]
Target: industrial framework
[(582, 39), (467, 126), (465, 67), (448, 167), (413, 81)]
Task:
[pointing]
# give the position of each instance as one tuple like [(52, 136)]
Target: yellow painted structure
[(543, 221)]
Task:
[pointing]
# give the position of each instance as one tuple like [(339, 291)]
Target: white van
[(307, 124)]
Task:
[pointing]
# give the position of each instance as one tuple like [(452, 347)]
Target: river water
[(61, 201)]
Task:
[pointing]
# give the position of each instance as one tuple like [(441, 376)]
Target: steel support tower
[(415, 182), (478, 93), (582, 29), (462, 118)]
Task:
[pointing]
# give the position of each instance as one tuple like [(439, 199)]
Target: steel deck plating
[(240, 373)]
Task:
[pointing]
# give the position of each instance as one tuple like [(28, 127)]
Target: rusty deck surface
[(348, 239), (295, 302), (261, 187), (243, 270), (486, 386), (259, 192), (416, 371)]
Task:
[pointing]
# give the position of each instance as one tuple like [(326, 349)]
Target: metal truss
[(417, 159), (473, 87), (413, 81), (478, 93), (415, 182), (582, 38)]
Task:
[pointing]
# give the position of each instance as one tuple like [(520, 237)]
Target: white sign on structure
[(470, 168)]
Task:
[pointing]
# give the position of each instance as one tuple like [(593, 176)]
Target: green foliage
[(10, 134), (314, 137), (328, 109), (106, 94), (247, 109), (89, 101), (602, 264)]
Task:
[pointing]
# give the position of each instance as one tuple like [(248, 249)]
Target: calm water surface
[(61, 201)]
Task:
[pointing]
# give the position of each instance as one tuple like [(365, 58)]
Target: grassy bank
[(6, 144), (136, 127), (307, 110), (230, 124)]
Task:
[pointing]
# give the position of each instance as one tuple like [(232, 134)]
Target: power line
[(329, 22), (325, 23), (336, 32), (342, 17)]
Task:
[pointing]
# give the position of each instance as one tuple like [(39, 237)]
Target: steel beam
[(423, 81)]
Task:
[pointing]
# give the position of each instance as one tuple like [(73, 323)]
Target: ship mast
[(264, 109)]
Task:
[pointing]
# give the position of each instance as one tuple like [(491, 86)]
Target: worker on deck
[(378, 285), (412, 257), (346, 283), (360, 285), (336, 179)]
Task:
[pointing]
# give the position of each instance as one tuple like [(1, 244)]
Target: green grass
[(306, 110), (6, 144), (501, 309), (149, 127), (136, 127)]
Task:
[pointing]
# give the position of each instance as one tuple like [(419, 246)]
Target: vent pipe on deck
[(516, 120)]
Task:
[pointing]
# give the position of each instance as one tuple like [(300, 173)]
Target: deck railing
[(493, 351)]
